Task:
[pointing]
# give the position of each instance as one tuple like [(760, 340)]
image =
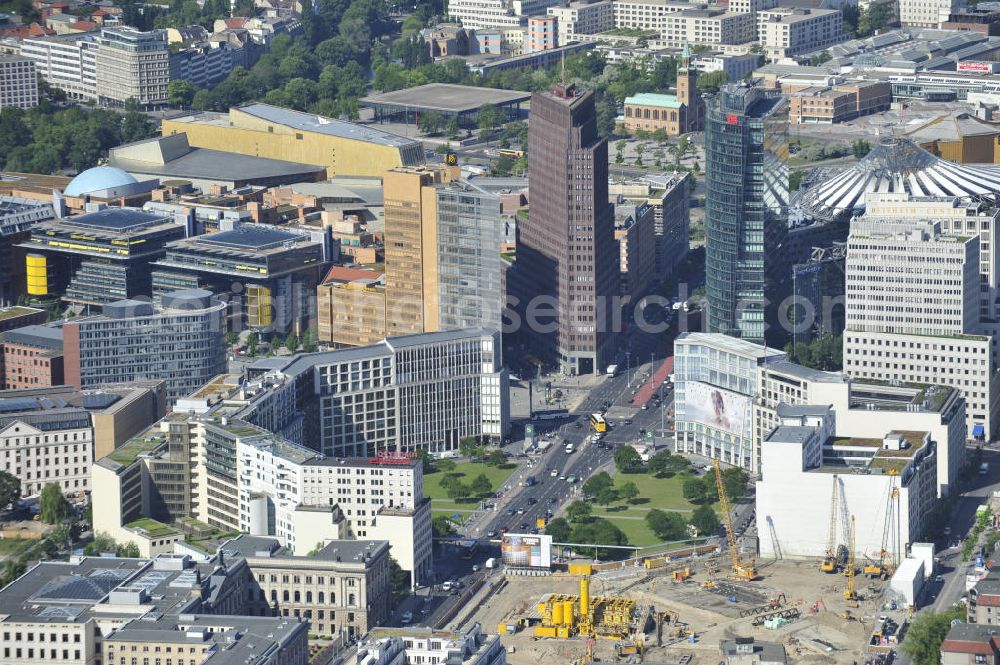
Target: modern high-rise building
[(669, 196), (913, 306), (469, 228), (567, 258), (746, 203), (411, 247), (181, 340)]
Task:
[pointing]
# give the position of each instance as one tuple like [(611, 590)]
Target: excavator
[(742, 570)]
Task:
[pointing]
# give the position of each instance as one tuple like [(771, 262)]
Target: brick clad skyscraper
[(567, 250)]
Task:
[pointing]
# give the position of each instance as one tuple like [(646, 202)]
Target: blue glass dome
[(96, 179)]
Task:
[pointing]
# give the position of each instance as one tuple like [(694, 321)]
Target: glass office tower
[(746, 202)]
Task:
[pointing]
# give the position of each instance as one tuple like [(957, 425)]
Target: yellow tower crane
[(743, 570), (849, 593), (829, 564)]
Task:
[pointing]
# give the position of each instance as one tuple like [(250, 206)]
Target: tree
[(503, 166), (431, 123), (496, 458), (693, 489), (596, 484), (860, 148), (291, 342), (850, 14), (12, 569), (629, 491), (663, 464), (481, 485), (135, 124), (10, 489), (875, 18), (459, 490), (129, 550), (704, 520), (101, 543), (559, 529), (252, 341), (489, 117), (451, 129), (606, 496), (927, 632), (711, 82), (627, 460), (470, 448), (400, 580), (820, 58), (600, 531), (180, 93), (426, 460), (578, 511), (54, 507), (666, 525), (734, 480), (442, 527), (308, 343), (795, 180)]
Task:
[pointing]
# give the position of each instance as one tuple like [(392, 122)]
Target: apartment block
[(838, 103), (542, 34), (582, 18), (786, 32), (646, 14), (485, 14), (710, 26), (132, 64), (926, 13), (67, 62), (181, 340), (31, 357), (18, 82)]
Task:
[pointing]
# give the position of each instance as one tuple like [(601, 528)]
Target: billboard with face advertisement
[(716, 407), (526, 551)]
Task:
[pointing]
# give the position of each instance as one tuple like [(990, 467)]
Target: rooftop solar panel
[(250, 237), (116, 219)]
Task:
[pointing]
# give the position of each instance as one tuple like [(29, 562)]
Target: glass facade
[(746, 211)]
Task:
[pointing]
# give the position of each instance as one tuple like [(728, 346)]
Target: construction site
[(678, 608)]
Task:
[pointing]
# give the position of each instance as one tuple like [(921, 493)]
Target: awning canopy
[(978, 431)]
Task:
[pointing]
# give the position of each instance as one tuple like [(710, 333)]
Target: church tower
[(687, 94)]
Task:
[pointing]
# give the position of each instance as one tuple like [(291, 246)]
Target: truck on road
[(612, 370)]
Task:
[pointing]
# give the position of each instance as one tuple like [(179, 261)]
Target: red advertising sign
[(732, 119), (392, 457), (975, 66)]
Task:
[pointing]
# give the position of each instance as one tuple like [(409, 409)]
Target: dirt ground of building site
[(821, 628)]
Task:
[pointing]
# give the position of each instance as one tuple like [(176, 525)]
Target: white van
[(984, 468)]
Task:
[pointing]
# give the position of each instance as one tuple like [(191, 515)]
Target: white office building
[(786, 31), (926, 13), (863, 407), (487, 14), (408, 393), (715, 384), (646, 14), (816, 483), (18, 82), (67, 62), (711, 26), (419, 646), (913, 305), (582, 18)]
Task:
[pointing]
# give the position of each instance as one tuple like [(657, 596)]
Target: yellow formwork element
[(585, 596), (545, 631), (562, 631), (580, 569), (502, 628), (568, 614), (557, 614)]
